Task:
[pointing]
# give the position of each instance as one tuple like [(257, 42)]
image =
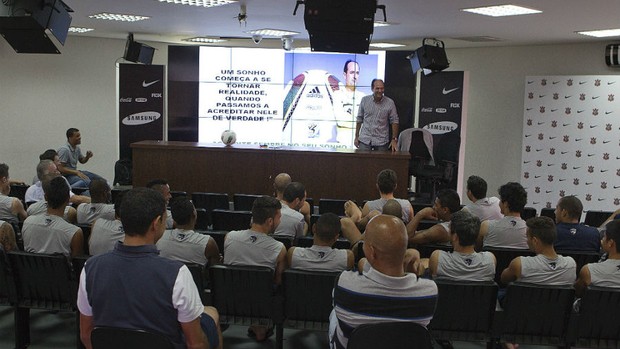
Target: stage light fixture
[(429, 58)]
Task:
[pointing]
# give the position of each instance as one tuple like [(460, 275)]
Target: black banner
[(141, 105)]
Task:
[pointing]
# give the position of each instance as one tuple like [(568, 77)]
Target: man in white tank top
[(607, 273), (105, 233), (100, 206), (11, 209), (547, 267), (183, 243), (446, 203), (292, 224), (481, 206), (509, 231), (279, 185), (321, 256)]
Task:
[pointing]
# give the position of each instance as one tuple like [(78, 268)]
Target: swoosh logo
[(147, 84), (541, 96), (555, 82), (578, 139), (593, 126), (548, 191), (595, 97), (562, 180), (616, 186), (608, 112), (530, 82), (599, 199), (526, 162), (536, 176), (604, 170), (535, 202), (541, 122), (611, 83), (605, 142), (554, 137), (563, 152), (538, 149), (588, 183), (579, 111), (550, 164), (576, 167), (445, 92), (591, 155), (528, 109), (565, 125), (567, 97), (552, 110), (582, 82), (527, 136)]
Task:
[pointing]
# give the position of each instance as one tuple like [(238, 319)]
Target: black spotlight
[(429, 58)]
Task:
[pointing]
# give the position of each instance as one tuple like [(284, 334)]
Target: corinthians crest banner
[(571, 135), (141, 105)]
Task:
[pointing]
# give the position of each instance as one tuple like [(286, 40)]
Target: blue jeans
[(77, 182), (364, 146)]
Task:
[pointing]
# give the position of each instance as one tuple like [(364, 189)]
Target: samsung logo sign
[(141, 118), (438, 110), (141, 100), (441, 127)]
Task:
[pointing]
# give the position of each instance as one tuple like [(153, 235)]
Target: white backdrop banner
[(571, 140)]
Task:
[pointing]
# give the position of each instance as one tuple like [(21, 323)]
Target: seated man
[(292, 223), (383, 291), (386, 184), (446, 203), (509, 231), (159, 294), (547, 267), (7, 237), (607, 273), (69, 155), (573, 236), (49, 232), (321, 256), (161, 185), (105, 233), (254, 247), (11, 209), (279, 184), (481, 206), (183, 243), (464, 263), (100, 207), (47, 169)]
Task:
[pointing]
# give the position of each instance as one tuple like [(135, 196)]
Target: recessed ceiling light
[(601, 33), (502, 10), (272, 32), (385, 45), (205, 40), (201, 3), (79, 30), (118, 17)]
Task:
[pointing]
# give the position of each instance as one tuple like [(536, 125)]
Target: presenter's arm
[(86, 328), (394, 142), (356, 142)]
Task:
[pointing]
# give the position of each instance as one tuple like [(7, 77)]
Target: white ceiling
[(416, 19)]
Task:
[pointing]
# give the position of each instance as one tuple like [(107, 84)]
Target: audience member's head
[(280, 183), (513, 194), (541, 228), (160, 185), (4, 171), (56, 192), (183, 210), (568, 209), (46, 170), (4, 179), (612, 233), (385, 242), (265, 207), (393, 208), (140, 208), (466, 227), (386, 181), (446, 203), (477, 186), (49, 154), (117, 204), (327, 227), (295, 193), (100, 191), (72, 132)]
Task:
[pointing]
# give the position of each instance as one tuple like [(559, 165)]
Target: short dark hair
[(182, 210), (99, 191), (386, 181), (139, 208), (327, 226), (71, 132), (49, 154), (263, 208), (294, 190), (466, 226), (372, 83), (477, 186), (450, 199), (543, 228), (346, 65), (612, 232), (56, 192), (155, 182), (4, 170), (514, 194), (572, 205)]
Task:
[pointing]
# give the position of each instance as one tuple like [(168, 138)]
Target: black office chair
[(125, 338), (598, 325), (393, 335)]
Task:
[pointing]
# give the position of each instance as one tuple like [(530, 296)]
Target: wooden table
[(249, 169)]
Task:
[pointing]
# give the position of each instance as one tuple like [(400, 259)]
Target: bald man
[(361, 298), (280, 182)]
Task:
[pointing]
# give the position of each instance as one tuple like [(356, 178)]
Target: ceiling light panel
[(272, 32), (200, 3), (605, 33), (118, 17), (385, 45), (205, 40), (80, 30), (502, 10)]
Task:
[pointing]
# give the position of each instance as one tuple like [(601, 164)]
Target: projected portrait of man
[(350, 97)]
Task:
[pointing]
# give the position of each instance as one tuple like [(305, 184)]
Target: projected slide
[(279, 98)]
